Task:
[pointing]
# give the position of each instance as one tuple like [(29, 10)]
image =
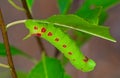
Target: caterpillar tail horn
[(26, 37)]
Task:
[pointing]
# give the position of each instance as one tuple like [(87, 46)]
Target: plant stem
[(15, 23), (6, 42), (29, 16), (44, 64), (16, 6), (4, 65)]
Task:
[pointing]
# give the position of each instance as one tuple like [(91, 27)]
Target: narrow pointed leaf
[(79, 24)]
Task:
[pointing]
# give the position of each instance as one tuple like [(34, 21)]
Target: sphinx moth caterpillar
[(62, 42)]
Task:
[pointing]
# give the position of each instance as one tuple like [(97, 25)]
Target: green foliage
[(79, 24), (90, 14), (47, 68), (30, 4), (87, 21), (69, 19), (103, 17), (91, 9), (105, 4), (64, 5), (14, 50)]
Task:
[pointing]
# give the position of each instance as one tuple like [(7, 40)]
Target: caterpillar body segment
[(62, 42)]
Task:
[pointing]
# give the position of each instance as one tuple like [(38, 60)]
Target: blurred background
[(105, 53)]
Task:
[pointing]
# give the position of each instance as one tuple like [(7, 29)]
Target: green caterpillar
[(61, 41)]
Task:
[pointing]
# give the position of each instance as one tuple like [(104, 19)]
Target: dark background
[(105, 53)]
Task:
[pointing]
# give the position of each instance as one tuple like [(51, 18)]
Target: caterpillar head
[(33, 27)]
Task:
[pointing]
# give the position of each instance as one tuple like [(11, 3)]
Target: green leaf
[(47, 68), (64, 5), (30, 4), (90, 10), (76, 23), (105, 4), (71, 20), (103, 17), (90, 15), (14, 50)]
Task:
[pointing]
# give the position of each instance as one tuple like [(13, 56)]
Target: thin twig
[(6, 42), (15, 23), (29, 16), (4, 65), (15, 5)]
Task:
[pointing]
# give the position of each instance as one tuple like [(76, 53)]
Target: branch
[(6, 42)]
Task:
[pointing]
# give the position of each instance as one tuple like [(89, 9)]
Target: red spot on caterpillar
[(57, 39), (43, 29), (70, 53), (64, 46), (35, 28), (38, 34), (50, 34), (86, 59)]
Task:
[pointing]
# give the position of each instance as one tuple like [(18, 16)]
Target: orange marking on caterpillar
[(70, 53), (38, 34), (35, 28), (56, 39), (64, 46), (50, 34), (86, 59), (43, 30)]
